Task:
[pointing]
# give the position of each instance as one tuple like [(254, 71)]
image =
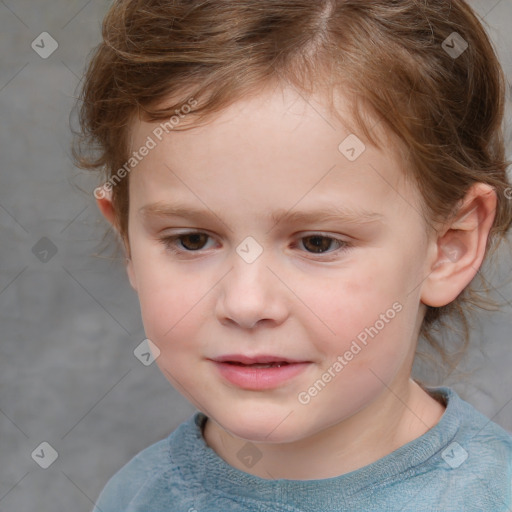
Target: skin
[(276, 151)]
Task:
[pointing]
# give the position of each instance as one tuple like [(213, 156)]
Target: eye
[(188, 242), (195, 241), (319, 244)]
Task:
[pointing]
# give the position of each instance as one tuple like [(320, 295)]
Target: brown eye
[(317, 244), (188, 242), (193, 241)]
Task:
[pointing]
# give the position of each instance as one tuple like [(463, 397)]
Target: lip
[(262, 358), (250, 378)]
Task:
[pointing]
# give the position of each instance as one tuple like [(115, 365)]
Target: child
[(303, 189)]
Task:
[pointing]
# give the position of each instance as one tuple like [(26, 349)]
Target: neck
[(382, 427)]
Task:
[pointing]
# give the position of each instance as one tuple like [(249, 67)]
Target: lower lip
[(248, 377)]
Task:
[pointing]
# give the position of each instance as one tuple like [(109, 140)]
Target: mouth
[(258, 372), (259, 361), (259, 365)]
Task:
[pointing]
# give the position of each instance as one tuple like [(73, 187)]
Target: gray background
[(68, 375)]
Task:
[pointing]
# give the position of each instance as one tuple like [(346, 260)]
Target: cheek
[(367, 319), (169, 315), (170, 301), (353, 299)]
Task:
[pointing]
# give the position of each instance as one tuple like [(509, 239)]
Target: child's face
[(306, 297)]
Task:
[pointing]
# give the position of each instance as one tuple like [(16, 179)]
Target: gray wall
[(69, 325)]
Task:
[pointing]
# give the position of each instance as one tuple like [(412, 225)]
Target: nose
[(251, 295)]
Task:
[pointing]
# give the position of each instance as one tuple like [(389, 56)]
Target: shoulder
[(127, 481), (474, 466), (481, 433), (151, 471)]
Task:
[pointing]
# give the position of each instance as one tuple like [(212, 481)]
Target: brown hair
[(446, 110)]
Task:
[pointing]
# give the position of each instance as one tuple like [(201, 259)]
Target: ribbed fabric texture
[(464, 463)]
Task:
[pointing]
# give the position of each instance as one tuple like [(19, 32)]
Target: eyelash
[(169, 241)]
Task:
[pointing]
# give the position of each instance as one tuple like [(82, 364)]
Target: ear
[(103, 197), (459, 248)]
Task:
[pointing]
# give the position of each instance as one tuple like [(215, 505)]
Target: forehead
[(276, 144), (274, 107)]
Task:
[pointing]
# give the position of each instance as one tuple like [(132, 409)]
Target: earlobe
[(458, 253)]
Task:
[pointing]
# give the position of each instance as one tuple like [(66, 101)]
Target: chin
[(256, 427)]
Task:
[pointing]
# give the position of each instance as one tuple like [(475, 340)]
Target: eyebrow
[(327, 213)]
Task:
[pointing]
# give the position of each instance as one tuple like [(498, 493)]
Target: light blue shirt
[(462, 464)]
